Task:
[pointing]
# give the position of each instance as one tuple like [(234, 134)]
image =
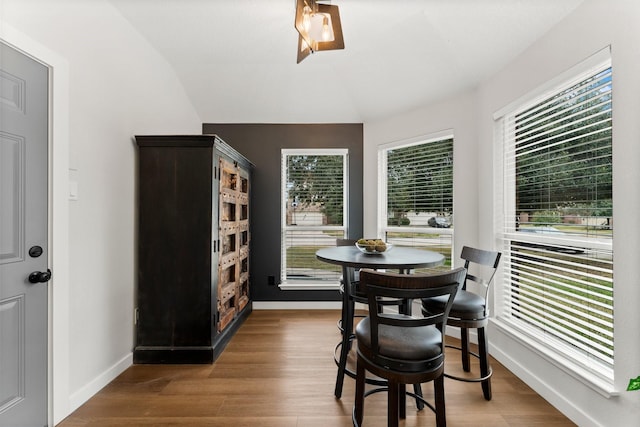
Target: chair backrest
[(408, 286), (481, 267), (345, 242)]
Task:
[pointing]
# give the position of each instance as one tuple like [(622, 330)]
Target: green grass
[(305, 257)]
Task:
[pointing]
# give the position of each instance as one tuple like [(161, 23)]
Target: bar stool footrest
[(350, 373), (471, 379), (383, 389)]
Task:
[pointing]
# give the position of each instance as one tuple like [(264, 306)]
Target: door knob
[(40, 276)]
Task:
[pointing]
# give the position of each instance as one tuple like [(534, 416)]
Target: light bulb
[(326, 30), (321, 30), (306, 18)]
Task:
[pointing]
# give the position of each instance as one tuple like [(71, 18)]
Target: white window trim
[(603, 384), (308, 285)]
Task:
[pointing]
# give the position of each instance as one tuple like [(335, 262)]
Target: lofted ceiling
[(237, 58)]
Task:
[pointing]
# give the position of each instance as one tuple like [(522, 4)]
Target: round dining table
[(399, 257), (350, 258)]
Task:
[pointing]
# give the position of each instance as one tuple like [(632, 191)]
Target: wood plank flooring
[(278, 371)]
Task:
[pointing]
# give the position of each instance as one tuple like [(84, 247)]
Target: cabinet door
[(242, 290), (228, 271), (174, 292)]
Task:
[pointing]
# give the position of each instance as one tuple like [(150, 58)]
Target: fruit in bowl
[(373, 246)]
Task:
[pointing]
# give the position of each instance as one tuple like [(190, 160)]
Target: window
[(417, 194), (556, 234), (314, 215)]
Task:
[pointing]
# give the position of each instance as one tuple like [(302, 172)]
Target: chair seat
[(416, 344), (466, 305)]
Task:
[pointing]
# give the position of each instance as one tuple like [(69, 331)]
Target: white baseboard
[(79, 397), (297, 305)]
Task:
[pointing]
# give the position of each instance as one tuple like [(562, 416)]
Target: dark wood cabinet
[(193, 247)]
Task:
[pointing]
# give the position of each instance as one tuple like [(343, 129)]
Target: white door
[(23, 239)]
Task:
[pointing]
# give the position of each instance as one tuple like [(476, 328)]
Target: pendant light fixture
[(318, 27)]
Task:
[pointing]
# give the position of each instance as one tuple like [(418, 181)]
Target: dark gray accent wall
[(262, 145)]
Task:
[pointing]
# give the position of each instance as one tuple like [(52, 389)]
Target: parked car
[(551, 231), (439, 222), (542, 230)]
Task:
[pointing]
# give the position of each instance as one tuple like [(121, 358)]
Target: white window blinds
[(558, 220), (418, 194), (314, 212)]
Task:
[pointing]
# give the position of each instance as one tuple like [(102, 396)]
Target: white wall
[(592, 27), (108, 85), (458, 115)]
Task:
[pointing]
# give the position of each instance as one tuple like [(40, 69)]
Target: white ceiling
[(237, 58)]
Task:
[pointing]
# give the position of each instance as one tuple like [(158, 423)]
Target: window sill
[(601, 385), (309, 286)]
